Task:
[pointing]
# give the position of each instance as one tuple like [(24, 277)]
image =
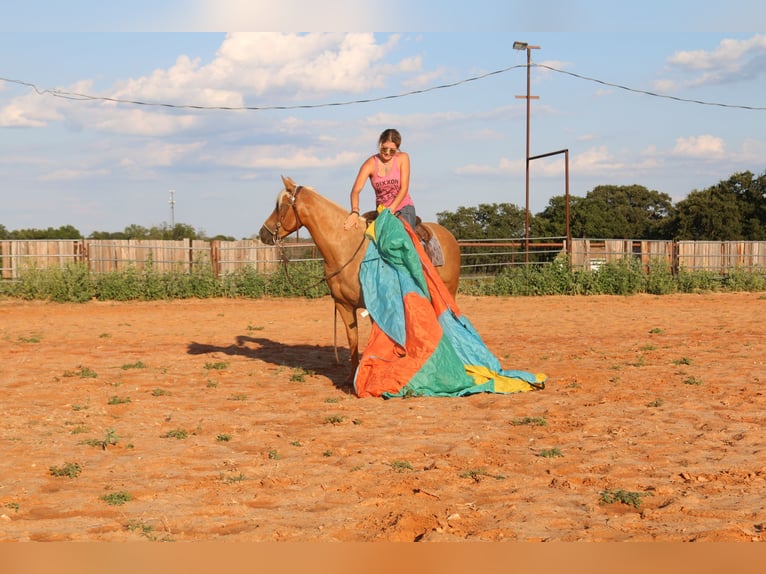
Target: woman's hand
[(352, 221)]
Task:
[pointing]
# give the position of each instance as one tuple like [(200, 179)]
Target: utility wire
[(653, 94), (78, 96)]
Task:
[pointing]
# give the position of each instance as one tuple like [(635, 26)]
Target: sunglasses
[(388, 150)]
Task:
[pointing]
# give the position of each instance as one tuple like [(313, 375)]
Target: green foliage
[(630, 498), (115, 400), (531, 421), (485, 221), (554, 452), (117, 498), (401, 465), (69, 470)]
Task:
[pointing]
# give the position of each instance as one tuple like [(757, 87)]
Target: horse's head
[(284, 219)]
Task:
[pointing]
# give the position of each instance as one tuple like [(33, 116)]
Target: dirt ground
[(229, 420)]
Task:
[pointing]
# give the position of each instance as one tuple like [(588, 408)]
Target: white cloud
[(74, 174), (704, 146), (283, 157), (249, 69), (731, 61)]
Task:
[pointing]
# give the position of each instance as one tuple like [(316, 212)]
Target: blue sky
[(100, 164)]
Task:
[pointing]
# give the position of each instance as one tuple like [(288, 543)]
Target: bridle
[(284, 209)]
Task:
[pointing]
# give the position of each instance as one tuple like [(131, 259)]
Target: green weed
[(478, 473), (623, 496), (531, 421), (550, 453), (401, 465), (117, 498), (69, 469), (178, 434), (115, 400), (82, 372), (219, 366), (136, 365), (110, 439)]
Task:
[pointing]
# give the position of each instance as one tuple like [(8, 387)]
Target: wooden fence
[(224, 257), (716, 256), (162, 256)]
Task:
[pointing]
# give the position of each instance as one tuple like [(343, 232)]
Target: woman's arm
[(365, 171)]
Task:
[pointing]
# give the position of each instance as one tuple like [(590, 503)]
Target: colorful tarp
[(420, 344)]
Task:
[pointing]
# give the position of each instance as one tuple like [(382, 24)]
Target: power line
[(88, 97), (653, 94)]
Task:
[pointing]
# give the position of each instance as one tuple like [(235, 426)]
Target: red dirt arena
[(229, 420)]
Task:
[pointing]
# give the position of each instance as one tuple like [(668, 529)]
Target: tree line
[(733, 209), (163, 231)]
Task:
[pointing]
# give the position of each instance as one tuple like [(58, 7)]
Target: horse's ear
[(288, 183)]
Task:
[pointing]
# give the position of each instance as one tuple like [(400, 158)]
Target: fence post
[(215, 255)]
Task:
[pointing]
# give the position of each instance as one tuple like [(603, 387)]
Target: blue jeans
[(408, 214)]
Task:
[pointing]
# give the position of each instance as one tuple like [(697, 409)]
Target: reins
[(283, 250)]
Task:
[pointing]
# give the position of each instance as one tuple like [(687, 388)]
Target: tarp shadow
[(317, 358)]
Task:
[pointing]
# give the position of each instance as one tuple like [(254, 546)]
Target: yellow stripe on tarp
[(502, 384)]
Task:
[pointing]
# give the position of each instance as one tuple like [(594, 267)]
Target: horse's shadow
[(320, 359)]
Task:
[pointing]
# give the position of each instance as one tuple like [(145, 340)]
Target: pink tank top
[(387, 186)]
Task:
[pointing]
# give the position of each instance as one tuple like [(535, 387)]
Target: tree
[(708, 215), (63, 232), (4, 234), (486, 221), (622, 212)]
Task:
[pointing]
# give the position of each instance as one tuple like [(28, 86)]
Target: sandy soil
[(227, 420)]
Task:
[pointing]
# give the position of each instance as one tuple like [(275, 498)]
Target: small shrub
[(136, 365), (623, 496), (401, 465), (531, 421), (158, 392), (117, 498), (478, 473), (115, 400), (692, 381), (223, 437), (334, 419), (219, 366), (69, 469), (178, 434), (550, 453), (110, 439)]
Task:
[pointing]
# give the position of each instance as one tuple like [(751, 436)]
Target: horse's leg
[(348, 316)]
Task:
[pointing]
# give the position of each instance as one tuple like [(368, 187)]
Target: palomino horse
[(342, 251)]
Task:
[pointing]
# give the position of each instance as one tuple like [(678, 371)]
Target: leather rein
[(284, 208)]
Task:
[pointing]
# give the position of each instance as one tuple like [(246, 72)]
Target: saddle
[(426, 236)]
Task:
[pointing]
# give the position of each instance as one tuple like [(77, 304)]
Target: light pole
[(528, 97), (172, 202)]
